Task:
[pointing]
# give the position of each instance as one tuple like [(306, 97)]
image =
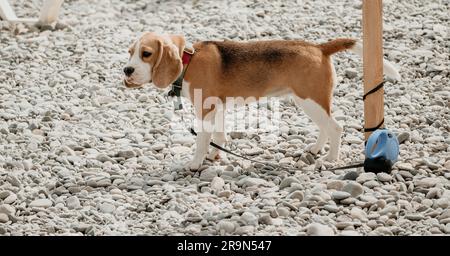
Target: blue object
[(382, 151)]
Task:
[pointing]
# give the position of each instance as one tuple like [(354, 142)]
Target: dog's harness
[(177, 86)]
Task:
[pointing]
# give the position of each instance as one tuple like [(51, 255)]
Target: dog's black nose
[(128, 71)]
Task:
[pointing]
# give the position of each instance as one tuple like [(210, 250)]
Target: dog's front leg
[(205, 129), (202, 143), (219, 136)]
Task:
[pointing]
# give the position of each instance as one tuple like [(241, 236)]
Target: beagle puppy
[(227, 69)]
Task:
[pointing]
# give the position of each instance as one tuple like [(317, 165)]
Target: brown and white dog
[(246, 69)]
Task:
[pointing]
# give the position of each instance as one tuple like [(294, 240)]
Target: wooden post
[(373, 63)]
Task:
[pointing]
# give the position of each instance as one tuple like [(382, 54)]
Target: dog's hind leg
[(334, 132), (328, 126), (318, 115)]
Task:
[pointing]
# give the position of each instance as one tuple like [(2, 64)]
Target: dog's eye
[(146, 54)]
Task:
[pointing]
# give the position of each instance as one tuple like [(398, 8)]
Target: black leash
[(368, 163), (273, 165), (212, 144)]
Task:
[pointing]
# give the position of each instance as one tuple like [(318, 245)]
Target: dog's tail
[(343, 44)]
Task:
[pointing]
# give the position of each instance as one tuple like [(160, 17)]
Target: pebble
[(283, 211), (167, 177), (371, 184), (104, 158), (249, 181), (296, 195), (224, 193), (388, 210), (71, 75), (354, 188), (364, 177), (4, 194), (73, 203), (383, 231), (403, 137), (265, 220), (350, 233), (253, 151), (10, 199), (245, 230), (127, 154), (331, 208), (3, 218), (426, 182), (340, 195), (414, 217), (352, 175), (335, 184), (445, 214), (42, 203), (358, 214), (372, 224), (384, 177), (225, 227), (194, 229), (406, 174), (7, 209), (143, 98), (249, 218), (287, 182), (317, 229), (351, 73), (434, 193), (443, 203), (217, 184), (405, 166), (106, 208), (208, 174)]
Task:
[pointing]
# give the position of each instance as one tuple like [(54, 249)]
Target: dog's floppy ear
[(168, 66)]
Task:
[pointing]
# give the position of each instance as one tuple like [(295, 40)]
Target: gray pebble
[(384, 177), (340, 195), (317, 229), (43, 203), (353, 188), (287, 182), (4, 218), (106, 208), (352, 175), (208, 174), (73, 203), (249, 218)]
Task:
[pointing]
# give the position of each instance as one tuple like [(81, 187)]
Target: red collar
[(187, 56)]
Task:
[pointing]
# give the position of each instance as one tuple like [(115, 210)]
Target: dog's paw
[(313, 149), (213, 155), (194, 165)]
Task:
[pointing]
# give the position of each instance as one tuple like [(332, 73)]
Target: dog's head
[(154, 58)]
